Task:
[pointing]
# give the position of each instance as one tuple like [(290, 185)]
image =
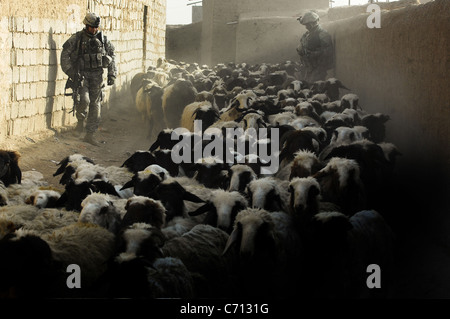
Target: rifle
[(75, 85)]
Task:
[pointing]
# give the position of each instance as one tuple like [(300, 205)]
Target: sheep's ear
[(128, 184), (202, 209), (192, 198), (30, 200), (62, 166), (264, 124), (234, 236), (61, 201), (128, 203), (154, 146)]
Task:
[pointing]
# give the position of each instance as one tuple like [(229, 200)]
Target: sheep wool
[(87, 245)]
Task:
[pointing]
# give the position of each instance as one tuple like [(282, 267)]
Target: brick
[(39, 104), (45, 57), (14, 113), (33, 90), (38, 57), (53, 57), (36, 40), (26, 91), (52, 72), (18, 91), (14, 127), (40, 122), (15, 74), (19, 40), (35, 25), (28, 109), (18, 24), (59, 87), (40, 90), (12, 24), (46, 25), (33, 58), (43, 40), (26, 25), (26, 57), (23, 74), (29, 40), (51, 87), (59, 26), (30, 74)]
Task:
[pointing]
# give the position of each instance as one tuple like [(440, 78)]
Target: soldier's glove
[(111, 79)]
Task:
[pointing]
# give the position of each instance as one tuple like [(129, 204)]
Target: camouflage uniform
[(316, 53), (86, 53)]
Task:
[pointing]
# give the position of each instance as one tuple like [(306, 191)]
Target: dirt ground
[(122, 131)]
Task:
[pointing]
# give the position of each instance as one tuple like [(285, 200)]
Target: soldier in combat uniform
[(84, 56), (315, 49)]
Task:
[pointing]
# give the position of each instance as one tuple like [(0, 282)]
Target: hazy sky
[(178, 12)]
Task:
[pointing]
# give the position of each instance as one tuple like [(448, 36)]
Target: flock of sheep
[(210, 228)]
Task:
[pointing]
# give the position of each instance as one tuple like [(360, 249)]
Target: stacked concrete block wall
[(31, 80)]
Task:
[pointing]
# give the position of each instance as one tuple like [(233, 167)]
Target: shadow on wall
[(51, 85)]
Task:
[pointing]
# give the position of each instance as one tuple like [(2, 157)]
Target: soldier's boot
[(79, 129), (89, 138)]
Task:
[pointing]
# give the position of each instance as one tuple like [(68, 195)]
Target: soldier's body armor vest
[(92, 52), (312, 41)]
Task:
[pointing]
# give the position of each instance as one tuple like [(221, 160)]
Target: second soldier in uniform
[(315, 49)]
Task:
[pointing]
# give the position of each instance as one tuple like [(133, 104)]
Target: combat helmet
[(308, 17), (91, 19)]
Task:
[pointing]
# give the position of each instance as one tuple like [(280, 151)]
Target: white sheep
[(346, 135), (140, 269), (269, 193), (71, 159), (202, 111), (49, 219), (341, 184), (221, 208), (282, 118), (99, 209), (87, 245), (19, 214), (200, 250), (139, 240), (31, 181), (304, 164), (141, 209), (351, 101), (241, 175), (42, 198), (240, 103)]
